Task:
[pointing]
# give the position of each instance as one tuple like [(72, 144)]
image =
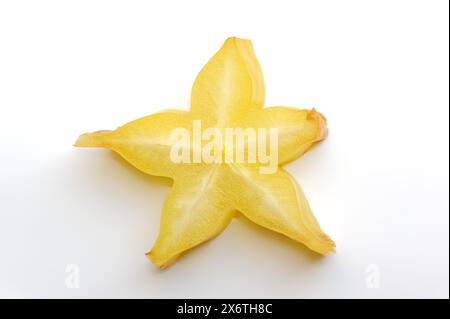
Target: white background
[(379, 185)]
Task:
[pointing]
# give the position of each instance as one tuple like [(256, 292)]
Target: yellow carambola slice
[(229, 92)]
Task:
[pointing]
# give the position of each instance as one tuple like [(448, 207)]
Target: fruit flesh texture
[(228, 92)]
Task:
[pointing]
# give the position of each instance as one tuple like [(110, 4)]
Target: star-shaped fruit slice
[(228, 93)]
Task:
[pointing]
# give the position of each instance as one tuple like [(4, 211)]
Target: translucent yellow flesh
[(228, 86), (276, 201), (194, 212), (228, 92), (298, 129), (145, 142)]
